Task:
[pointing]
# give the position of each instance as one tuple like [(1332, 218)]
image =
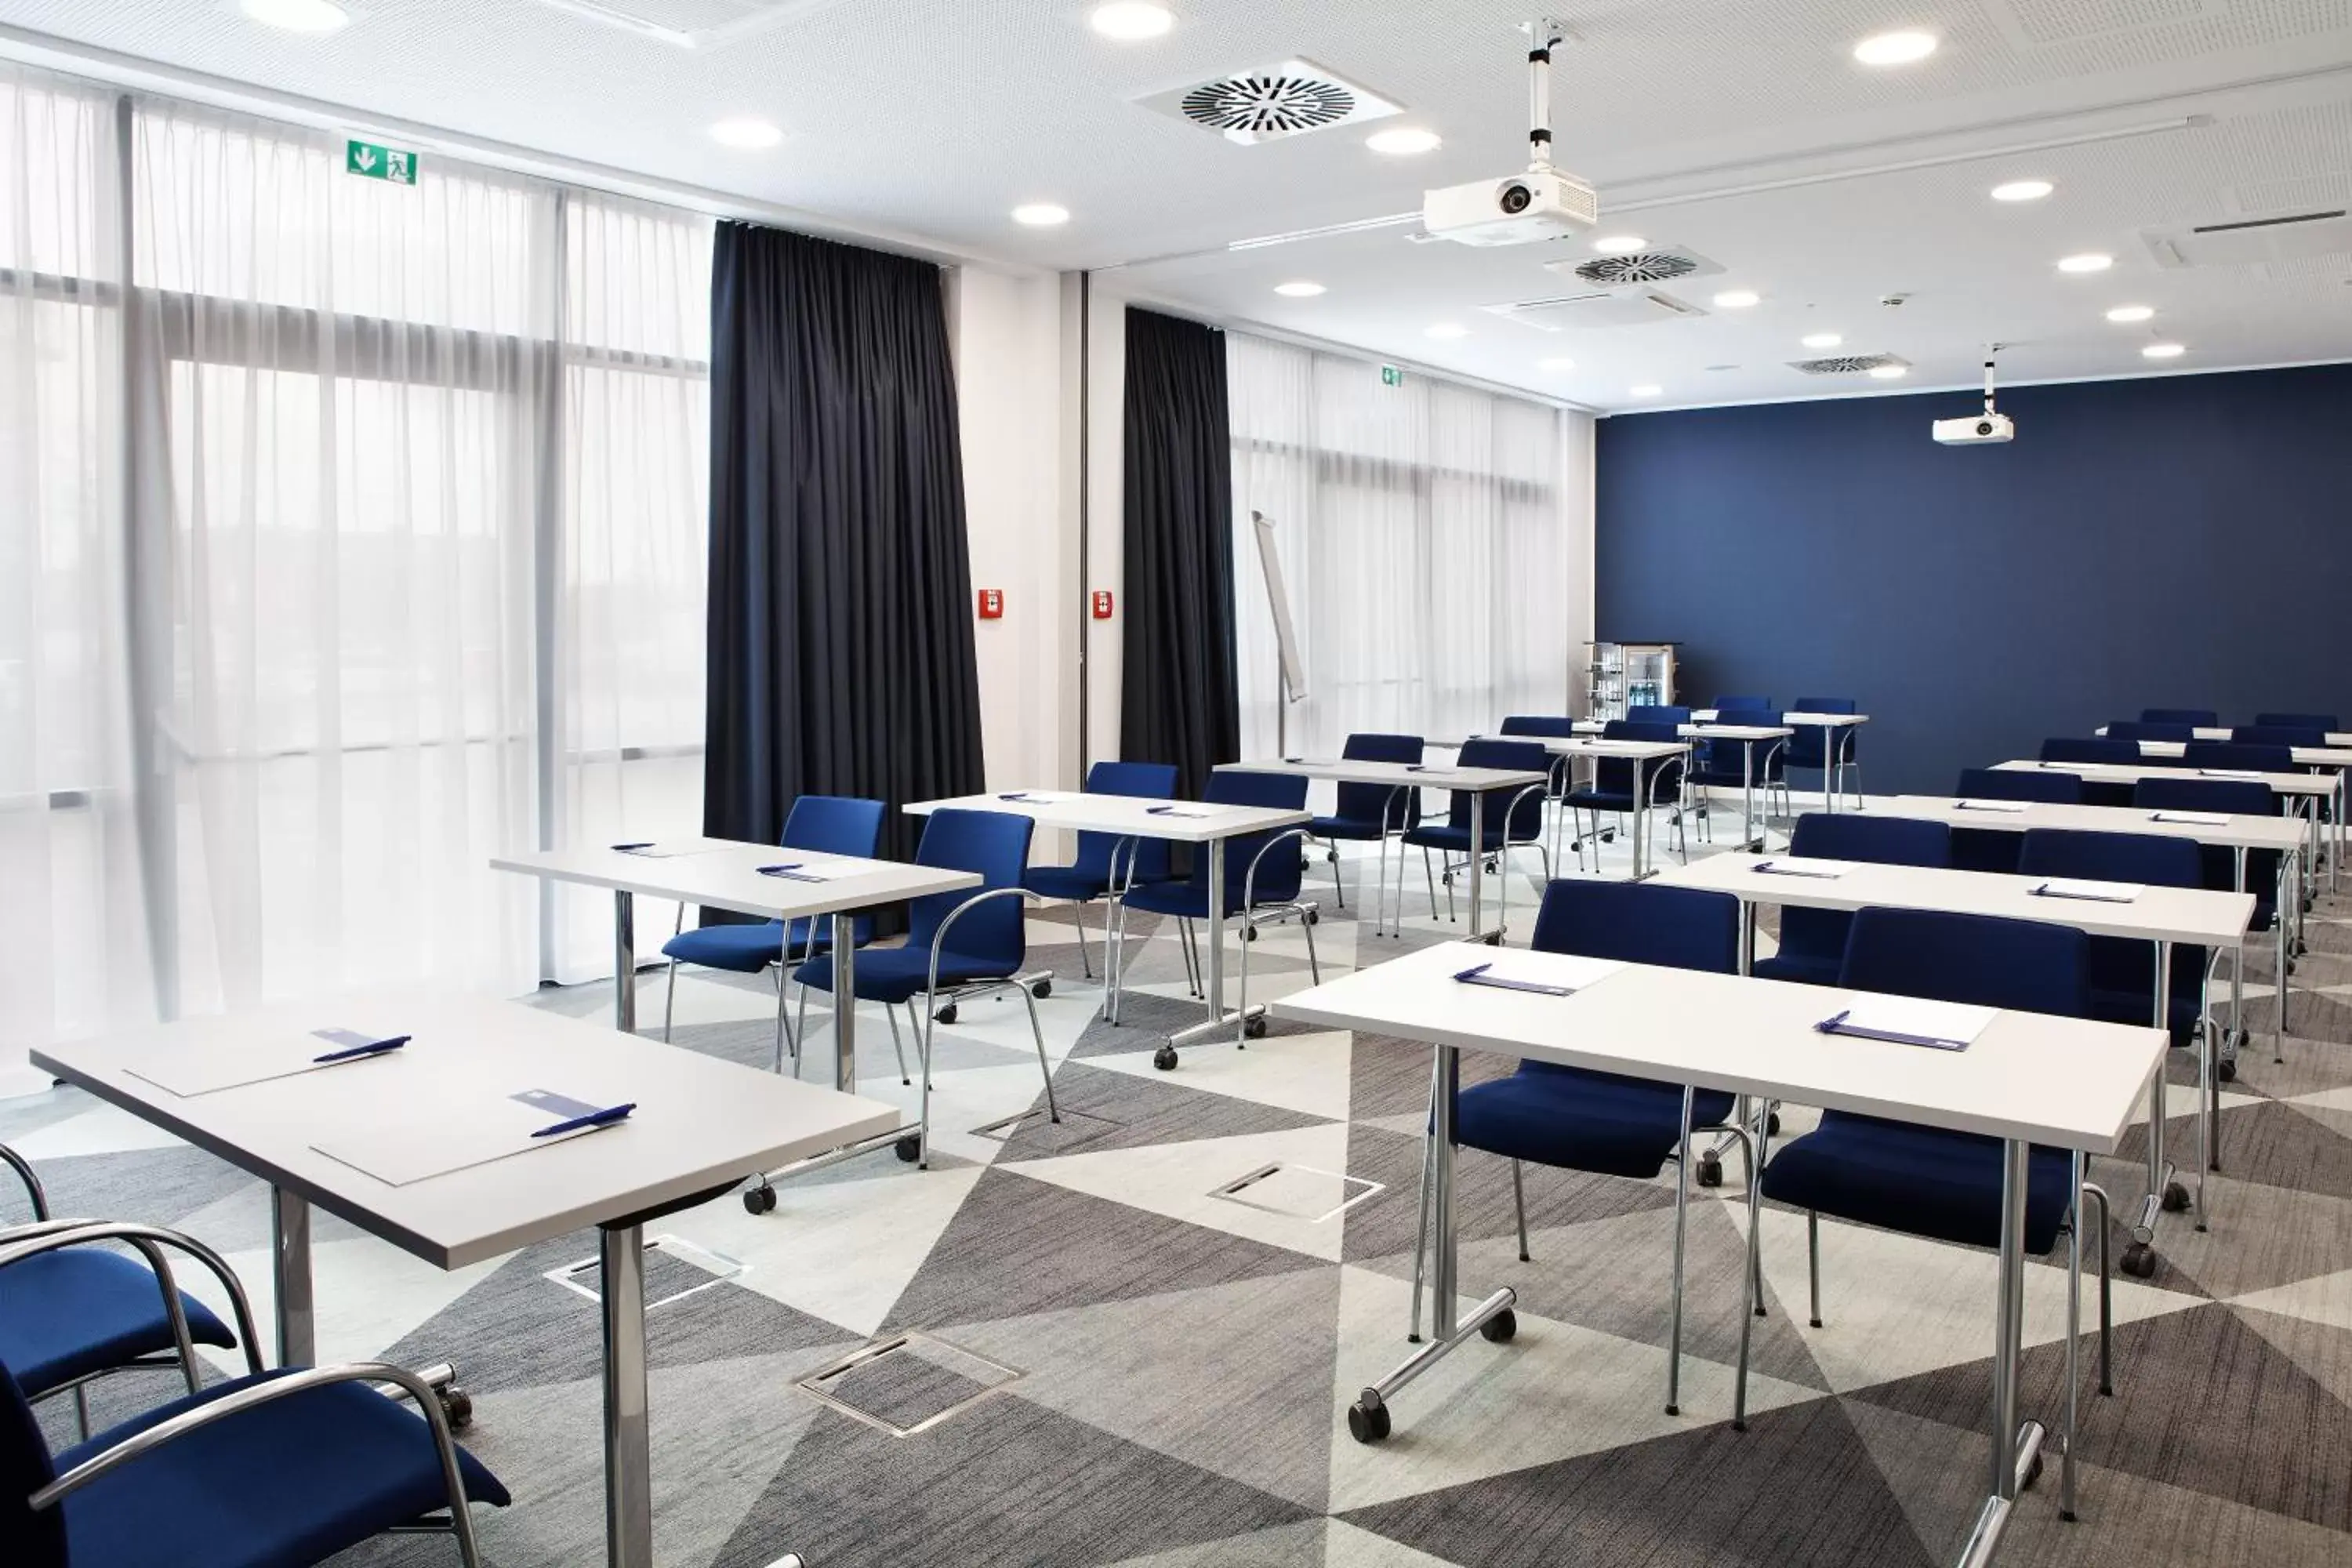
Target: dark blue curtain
[(840, 634), (1177, 700)]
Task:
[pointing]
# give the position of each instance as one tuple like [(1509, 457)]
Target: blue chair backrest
[(1745, 704), (1881, 840), (1825, 705), (834, 825), (2016, 784), (25, 1468), (1976, 959), (1277, 876), (2239, 797), (2280, 735), (1547, 725), (1614, 775), (2194, 717), (2323, 722), (1141, 781), (1366, 802), (2236, 754), (2110, 856), (1641, 923), (2090, 749), (2140, 729), (996, 845), (1516, 756), (1657, 713), (1814, 746)]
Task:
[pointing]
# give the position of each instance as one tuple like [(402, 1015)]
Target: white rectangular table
[(1478, 782), (2028, 1079), (1133, 816), (2334, 759), (700, 1124), (2223, 732), (1705, 726), (2168, 917)]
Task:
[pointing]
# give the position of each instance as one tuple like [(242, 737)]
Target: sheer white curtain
[(73, 954), (1427, 533)]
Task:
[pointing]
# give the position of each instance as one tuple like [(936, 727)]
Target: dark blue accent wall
[(2166, 542)]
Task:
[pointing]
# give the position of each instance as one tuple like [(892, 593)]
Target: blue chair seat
[(1456, 840), (2133, 1006), (896, 974), (748, 949), (1581, 1121), (1077, 884), (1803, 968), (80, 1310), (1602, 799), (1363, 827), (1917, 1180), (287, 1483)]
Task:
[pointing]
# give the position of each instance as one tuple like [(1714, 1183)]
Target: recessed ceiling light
[(1041, 215), (1404, 142), (1821, 340), (1447, 330), (2163, 351), (2089, 262), (1619, 243), (1131, 21), (746, 131), (1646, 390), (1736, 299), (2125, 314), (1895, 49), (2022, 191), (1555, 362), (1887, 372), (313, 17), (1299, 290)]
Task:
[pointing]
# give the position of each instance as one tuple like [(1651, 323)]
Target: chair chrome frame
[(141, 1444), (150, 1241), (1395, 812), (1252, 918), (786, 1035), (1647, 800), (935, 1000), (1502, 853), (1764, 785)]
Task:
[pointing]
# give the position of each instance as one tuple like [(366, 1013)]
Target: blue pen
[(1476, 975), (609, 1116), (1836, 1024), (1172, 811), (633, 848), (790, 871), (1016, 794), (370, 1048)]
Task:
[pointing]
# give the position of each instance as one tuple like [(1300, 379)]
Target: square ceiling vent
[(2272, 237), (1272, 103), (1637, 269), (1849, 364), (693, 24)]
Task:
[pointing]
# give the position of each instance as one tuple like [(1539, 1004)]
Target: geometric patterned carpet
[(1179, 1362)]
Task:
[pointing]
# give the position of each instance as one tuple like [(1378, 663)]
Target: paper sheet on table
[(2098, 892), (2007, 807), (186, 1073), (2229, 772), (1913, 1015), (2201, 818), (405, 1143), (1803, 866), (1530, 969)]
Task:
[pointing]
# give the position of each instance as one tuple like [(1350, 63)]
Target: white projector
[(1976, 429), (1540, 204)]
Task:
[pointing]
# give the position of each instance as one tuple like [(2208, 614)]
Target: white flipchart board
[(1286, 634)]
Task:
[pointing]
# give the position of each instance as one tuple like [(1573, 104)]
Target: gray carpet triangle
[(1140, 1111)]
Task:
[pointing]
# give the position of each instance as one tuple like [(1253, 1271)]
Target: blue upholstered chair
[(1508, 819), (1657, 713), (1622, 787), (821, 825), (1994, 848), (1830, 750), (958, 945), (1934, 1183), (2289, 735), (2196, 718), (277, 1469), (2255, 872), (2137, 730), (2323, 722), (2105, 749), (1737, 764), (1546, 727), (1262, 876), (2239, 757), (1576, 1119), (1103, 860), (1812, 941), (74, 1311), (2122, 969), (1371, 813)]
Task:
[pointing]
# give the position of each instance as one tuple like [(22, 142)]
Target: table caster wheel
[(1249, 934), (2176, 1198), (1710, 1171), (946, 1015), (1368, 1418), (1164, 1059), (1772, 1124), (2033, 1473), (1043, 989), (2228, 1070), (1255, 1029), (761, 1199), (1313, 917), (457, 1406), (1498, 1329), (2139, 1260), (909, 1148)]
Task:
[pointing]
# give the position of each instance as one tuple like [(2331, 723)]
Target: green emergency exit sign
[(1391, 376), (371, 161)]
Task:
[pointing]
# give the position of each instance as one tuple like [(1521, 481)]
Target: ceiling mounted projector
[(1978, 429), (1543, 203)]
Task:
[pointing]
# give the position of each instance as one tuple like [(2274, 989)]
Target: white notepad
[(1569, 970), (1803, 866), (2097, 892), (2201, 818), (2228, 773), (1915, 1015), (403, 1144), (188, 1073), (2011, 807)]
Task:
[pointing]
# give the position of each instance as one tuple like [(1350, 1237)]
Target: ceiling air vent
[(1289, 98), (1847, 364), (693, 24), (1616, 308), (1658, 264), (2280, 236)]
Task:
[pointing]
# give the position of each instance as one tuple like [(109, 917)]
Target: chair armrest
[(24, 1169), (150, 1240), (939, 937), (1513, 810), (1249, 878)]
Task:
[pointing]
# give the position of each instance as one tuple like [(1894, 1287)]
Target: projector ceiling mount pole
[(1544, 35), (1991, 350)]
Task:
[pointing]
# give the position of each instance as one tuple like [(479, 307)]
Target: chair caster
[(1164, 1059), (1499, 1328), (2033, 1473), (1772, 1124), (1254, 1028), (1043, 989), (2139, 1260), (2226, 1069), (909, 1148), (2176, 1198), (1249, 934), (457, 1406), (761, 1199), (1313, 917), (1710, 1171), (946, 1015), (1368, 1418)]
